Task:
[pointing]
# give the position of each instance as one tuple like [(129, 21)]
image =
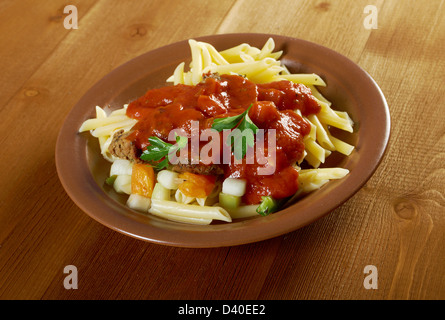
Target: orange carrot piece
[(196, 185), (142, 180)]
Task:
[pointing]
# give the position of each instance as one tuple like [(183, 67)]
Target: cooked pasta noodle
[(177, 209), (105, 126), (183, 219)]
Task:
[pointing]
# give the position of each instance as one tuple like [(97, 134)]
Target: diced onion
[(168, 179), (121, 166), (235, 187), (228, 201), (138, 202), (122, 184)]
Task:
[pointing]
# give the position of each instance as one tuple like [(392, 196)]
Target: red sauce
[(161, 110)]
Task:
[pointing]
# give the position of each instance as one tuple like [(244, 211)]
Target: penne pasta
[(190, 210), (315, 149), (306, 79), (100, 113), (233, 55), (324, 173), (182, 219), (328, 117), (197, 62), (178, 75), (119, 112), (109, 128), (206, 57), (318, 95), (217, 57), (322, 136), (92, 124), (340, 146), (311, 159)]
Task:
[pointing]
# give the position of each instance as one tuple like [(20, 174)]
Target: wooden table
[(395, 223)]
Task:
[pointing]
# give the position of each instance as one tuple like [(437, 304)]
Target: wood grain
[(395, 222)]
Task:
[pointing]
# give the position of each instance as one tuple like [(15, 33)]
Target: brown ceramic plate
[(82, 170)]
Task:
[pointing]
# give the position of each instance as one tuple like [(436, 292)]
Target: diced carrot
[(196, 185), (142, 180)]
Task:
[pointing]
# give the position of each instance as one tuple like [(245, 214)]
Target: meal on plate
[(237, 135)]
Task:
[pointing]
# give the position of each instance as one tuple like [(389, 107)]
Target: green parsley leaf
[(242, 136), (219, 124), (267, 206), (110, 180), (159, 150)]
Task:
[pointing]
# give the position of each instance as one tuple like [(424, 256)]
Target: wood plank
[(30, 33), (415, 204), (328, 23)]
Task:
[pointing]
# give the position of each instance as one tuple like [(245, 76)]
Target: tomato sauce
[(273, 106)]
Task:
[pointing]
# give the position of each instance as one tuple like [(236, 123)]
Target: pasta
[(259, 65), (181, 210), (105, 126)]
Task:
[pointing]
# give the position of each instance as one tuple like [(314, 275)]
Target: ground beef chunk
[(123, 148), (211, 169)]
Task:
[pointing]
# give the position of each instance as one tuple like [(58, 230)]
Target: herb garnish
[(267, 206), (160, 150), (244, 132)]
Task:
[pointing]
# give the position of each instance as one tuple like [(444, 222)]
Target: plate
[(82, 170)]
